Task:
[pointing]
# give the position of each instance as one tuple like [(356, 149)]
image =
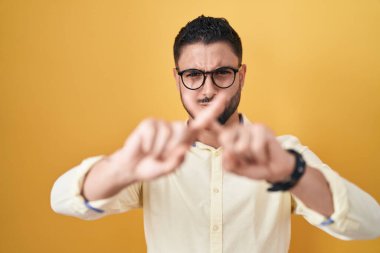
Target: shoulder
[(286, 140)]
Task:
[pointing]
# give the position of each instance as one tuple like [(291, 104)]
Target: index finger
[(209, 116)]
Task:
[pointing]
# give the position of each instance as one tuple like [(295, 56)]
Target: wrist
[(297, 172), (121, 173), (101, 181), (286, 171)]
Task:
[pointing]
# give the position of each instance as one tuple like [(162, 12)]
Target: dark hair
[(207, 30)]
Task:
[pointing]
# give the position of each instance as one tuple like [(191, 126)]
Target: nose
[(209, 89)]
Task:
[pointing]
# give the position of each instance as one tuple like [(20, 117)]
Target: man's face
[(208, 58)]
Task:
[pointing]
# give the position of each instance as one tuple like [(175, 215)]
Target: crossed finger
[(207, 118)]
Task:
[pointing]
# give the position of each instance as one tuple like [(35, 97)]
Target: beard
[(228, 110)]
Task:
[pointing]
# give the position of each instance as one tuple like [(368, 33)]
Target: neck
[(210, 137)]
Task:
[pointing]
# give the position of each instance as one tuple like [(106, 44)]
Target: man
[(216, 183)]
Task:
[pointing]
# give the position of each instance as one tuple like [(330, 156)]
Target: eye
[(223, 71), (193, 73)]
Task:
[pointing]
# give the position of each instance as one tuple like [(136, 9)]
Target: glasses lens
[(192, 78), (224, 77)]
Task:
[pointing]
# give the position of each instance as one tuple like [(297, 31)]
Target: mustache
[(205, 100)]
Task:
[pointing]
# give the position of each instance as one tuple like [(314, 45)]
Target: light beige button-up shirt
[(201, 208)]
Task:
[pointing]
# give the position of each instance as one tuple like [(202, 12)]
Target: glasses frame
[(205, 73)]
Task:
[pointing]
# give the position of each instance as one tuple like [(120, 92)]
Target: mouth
[(204, 104), (205, 101)]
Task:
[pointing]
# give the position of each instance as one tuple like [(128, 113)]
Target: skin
[(157, 147)]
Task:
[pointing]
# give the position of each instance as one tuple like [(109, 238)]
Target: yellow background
[(77, 76)]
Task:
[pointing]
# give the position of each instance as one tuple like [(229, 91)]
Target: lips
[(205, 101)]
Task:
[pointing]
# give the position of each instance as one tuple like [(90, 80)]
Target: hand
[(156, 147), (253, 151)]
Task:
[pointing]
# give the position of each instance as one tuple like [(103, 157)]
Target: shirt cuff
[(82, 205), (339, 195), (336, 184)]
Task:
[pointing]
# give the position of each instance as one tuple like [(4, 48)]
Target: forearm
[(103, 180), (321, 193), (314, 191), (356, 214)]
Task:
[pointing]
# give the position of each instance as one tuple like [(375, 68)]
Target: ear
[(177, 78), (243, 70)]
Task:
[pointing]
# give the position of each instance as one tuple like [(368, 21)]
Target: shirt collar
[(198, 144)]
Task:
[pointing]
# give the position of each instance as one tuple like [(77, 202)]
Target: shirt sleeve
[(356, 214), (66, 195)]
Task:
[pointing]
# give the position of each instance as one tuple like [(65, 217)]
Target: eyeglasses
[(222, 77)]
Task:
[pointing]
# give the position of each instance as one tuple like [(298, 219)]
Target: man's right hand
[(155, 148)]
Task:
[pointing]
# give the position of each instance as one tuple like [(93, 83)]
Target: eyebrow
[(229, 66)]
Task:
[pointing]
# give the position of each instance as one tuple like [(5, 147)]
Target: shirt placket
[(216, 205)]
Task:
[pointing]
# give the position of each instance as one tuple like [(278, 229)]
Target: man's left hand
[(253, 151)]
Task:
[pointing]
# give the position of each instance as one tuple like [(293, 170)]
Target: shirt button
[(216, 190), (215, 227)]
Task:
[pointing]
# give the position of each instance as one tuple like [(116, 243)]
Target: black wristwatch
[(298, 171)]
